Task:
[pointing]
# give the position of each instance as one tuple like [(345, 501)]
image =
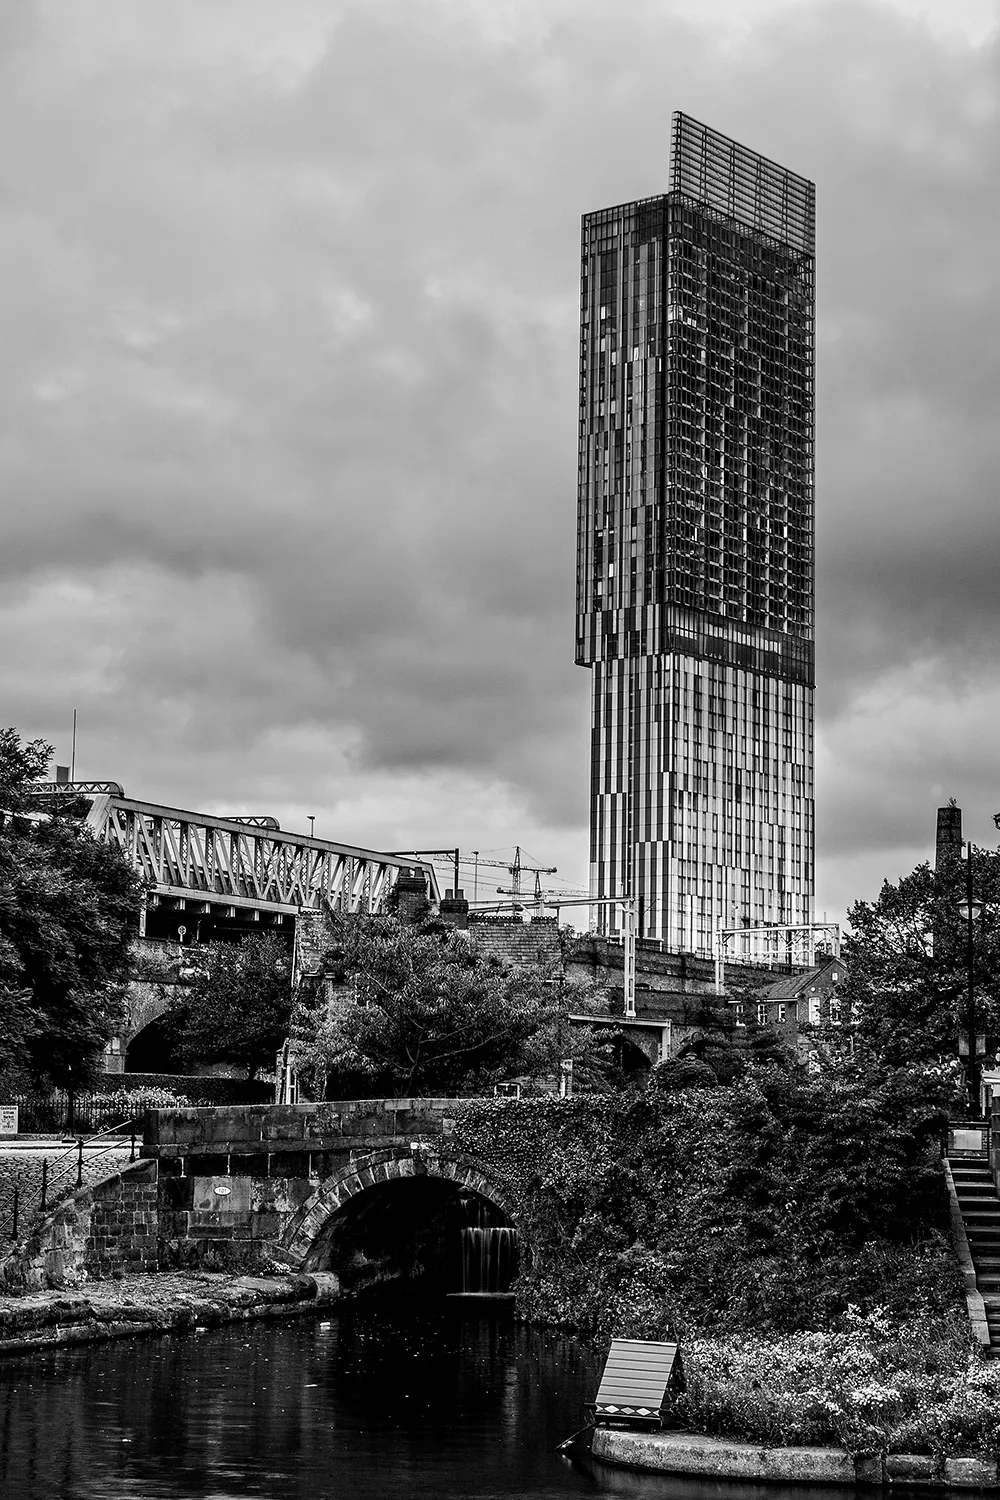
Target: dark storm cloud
[(289, 379)]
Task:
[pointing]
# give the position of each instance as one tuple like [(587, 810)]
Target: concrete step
[(971, 1190)]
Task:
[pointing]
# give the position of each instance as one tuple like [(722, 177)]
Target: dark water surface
[(447, 1401)]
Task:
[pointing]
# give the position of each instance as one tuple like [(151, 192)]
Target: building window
[(740, 1015), (762, 1015), (814, 1010), (781, 1012)]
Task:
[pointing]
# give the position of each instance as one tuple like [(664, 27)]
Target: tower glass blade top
[(695, 593)]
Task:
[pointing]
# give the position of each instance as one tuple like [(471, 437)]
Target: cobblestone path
[(24, 1165)]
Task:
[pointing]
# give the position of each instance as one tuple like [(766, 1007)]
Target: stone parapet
[(274, 1129)]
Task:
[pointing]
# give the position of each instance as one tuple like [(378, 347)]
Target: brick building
[(792, 1006)]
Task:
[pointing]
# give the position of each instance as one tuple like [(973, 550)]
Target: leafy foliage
[(771, 1204), (683, 1073), (68, 906), (906, 976), (410, 1010), (238, 1006)]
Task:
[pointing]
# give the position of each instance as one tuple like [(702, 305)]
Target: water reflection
[(444, 1401)]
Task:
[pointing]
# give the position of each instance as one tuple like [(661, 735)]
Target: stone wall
[(98, 1231), (124, 1222)]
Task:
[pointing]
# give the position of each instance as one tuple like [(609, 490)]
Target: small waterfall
[(488, 1251), (489, 1260)]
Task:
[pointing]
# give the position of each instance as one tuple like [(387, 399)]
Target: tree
[(238, 1006), (686, 1072), (68, 908), (413, 1010), (905, 990)]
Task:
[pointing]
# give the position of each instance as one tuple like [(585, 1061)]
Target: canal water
[(448, 1400)]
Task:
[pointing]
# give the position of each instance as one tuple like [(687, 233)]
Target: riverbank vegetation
[(790, 1228), (876, 1384), (771, 1205)]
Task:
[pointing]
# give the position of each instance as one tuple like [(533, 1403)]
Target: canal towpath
[(154, 1302)]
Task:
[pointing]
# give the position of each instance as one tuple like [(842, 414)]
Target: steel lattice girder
[(190, 855)]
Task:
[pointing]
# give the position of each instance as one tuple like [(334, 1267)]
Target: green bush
[(771, 1205), (875, 1385), (682, 1073)]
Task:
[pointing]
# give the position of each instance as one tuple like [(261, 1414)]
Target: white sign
[(8, 1119)]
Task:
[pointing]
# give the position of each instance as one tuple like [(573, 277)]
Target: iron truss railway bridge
[(227, 867)]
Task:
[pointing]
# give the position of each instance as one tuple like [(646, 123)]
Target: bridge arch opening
[(153, 1049), (633, 1060), (441, 1232)]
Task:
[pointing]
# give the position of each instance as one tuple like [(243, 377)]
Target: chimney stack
[(948, 844)]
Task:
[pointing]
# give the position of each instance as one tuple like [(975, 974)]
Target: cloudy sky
[(288, 351)]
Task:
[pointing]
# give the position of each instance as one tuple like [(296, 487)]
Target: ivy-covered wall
[(772, 1204)]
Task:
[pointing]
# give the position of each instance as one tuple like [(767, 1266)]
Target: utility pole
[(629, 955)]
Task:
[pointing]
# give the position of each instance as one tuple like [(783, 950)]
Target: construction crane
[(516, 870)]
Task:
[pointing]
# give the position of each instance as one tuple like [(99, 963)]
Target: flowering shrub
[(873, 1386)]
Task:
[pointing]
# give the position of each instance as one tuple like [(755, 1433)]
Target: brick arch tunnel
[(423, 1215)]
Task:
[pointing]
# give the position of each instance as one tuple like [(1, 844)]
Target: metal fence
[(55, 1113)]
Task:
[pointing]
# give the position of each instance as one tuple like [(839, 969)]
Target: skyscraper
[(695, 544)]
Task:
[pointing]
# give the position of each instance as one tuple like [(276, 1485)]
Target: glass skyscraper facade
[(695, 544)]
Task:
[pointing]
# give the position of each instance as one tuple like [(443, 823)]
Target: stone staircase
[(980, 1205)]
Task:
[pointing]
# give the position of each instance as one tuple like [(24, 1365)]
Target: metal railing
[(35, 1187), (89, 1114)]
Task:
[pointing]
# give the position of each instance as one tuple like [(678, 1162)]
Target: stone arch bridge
[(365, 1188)]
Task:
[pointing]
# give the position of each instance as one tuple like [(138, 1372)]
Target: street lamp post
[(972, 1072)]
